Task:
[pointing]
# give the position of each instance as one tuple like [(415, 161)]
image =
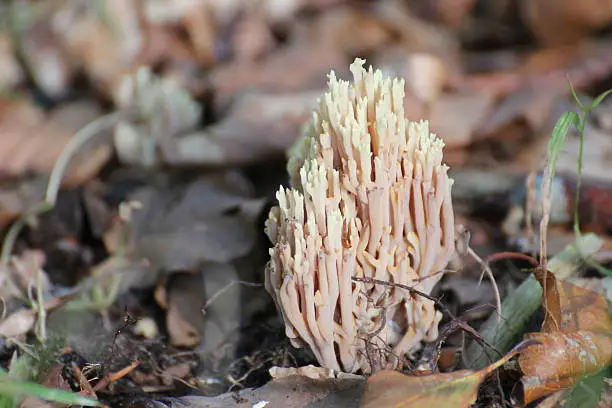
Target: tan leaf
[(455, 389)]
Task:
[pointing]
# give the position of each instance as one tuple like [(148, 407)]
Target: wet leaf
[(561, 360)]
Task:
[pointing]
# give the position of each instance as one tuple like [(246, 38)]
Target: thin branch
[(225, 289), (486, 269)]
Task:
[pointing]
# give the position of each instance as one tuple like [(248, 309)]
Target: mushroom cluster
[(369, 198)]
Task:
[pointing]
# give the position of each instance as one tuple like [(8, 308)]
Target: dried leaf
[(576, 339), (32, 141), (184, 316), (309, 371), (309, 65), (18, 323), (454, 389), (114, 34)]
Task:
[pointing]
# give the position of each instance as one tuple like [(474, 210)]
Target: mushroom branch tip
[(369, 198)]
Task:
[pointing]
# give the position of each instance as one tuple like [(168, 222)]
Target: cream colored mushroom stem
[(370, 198)]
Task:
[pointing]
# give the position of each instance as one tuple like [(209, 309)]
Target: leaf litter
[(157, 216)]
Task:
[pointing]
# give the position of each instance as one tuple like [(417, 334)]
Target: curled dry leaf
[(576, 339), (562, 359), (453, 390)]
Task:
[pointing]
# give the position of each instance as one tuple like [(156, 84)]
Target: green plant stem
[(55, 179)]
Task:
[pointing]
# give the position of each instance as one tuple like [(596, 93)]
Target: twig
[(83, 382), (486, 269), (112, 377), (409, 289), (225, 289)]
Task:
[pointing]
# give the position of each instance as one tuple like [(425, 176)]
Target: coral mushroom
[(369, 198)]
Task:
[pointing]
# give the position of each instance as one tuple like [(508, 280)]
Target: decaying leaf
[(576, 339), (455, 389)]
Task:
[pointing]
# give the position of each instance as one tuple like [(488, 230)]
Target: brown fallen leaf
[(455, 389), (576, 339), (184, 316), (308, 64), (31, 141)]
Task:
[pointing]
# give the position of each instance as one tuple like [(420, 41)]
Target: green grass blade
[(15, 388), (598, 100)]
